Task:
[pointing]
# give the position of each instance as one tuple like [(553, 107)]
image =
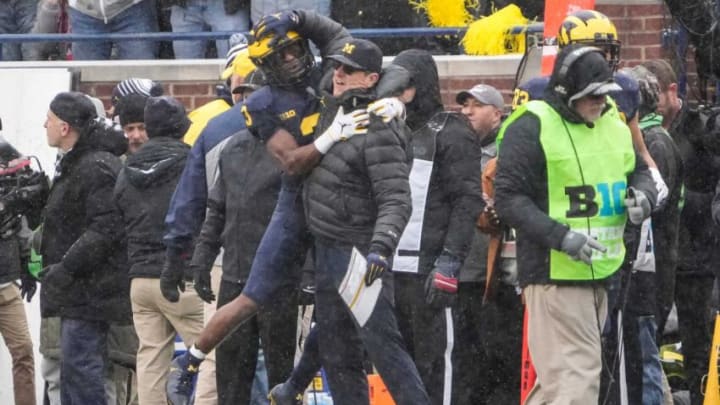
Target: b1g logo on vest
[(583, 202)]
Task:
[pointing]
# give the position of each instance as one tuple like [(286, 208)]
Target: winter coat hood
[(102, 134), (427, 101), (161, 159), (393, 81)]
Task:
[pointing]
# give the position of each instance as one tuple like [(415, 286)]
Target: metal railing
[(174, 36)]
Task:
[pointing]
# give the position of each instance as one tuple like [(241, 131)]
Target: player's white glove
[(662, 189), (343, 127), (387, 108)]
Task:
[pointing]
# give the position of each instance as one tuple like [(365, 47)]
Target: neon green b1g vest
[(587, 173)]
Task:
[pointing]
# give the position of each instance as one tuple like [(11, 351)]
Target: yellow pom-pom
[(446, 13), (489, 35)]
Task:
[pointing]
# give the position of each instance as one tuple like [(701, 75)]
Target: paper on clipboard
[(359, 298)]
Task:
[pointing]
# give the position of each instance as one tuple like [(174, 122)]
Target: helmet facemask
[(611, 49), (287, 62)]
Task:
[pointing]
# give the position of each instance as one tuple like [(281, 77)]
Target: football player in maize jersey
[(283, 114)]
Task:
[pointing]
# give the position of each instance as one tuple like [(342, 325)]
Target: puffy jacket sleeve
[(328, 35), (104, 224), (459, 167), (388, 171), (521, 182)]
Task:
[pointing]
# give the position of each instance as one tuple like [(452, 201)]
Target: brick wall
[(639, 23)]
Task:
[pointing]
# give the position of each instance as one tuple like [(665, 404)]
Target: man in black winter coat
[(142, 194), (447, 198), (84, 279)]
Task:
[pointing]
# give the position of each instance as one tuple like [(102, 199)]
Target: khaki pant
[(564, 326), (156, 322), (14, 329), (206, 388)]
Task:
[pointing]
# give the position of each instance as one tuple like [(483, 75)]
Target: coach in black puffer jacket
[(341, 204)]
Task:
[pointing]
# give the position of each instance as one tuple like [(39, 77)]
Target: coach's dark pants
[(341, 341)]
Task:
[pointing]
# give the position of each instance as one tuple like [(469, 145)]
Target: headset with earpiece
[(568, 62)]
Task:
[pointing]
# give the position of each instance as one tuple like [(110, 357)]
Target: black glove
[(181, 379), (277, 24), (442, 283), (201, 277), (28, 283), (172, 276), (377, 264)]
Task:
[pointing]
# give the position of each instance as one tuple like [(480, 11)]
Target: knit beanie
[(131, 108), (165, 116)]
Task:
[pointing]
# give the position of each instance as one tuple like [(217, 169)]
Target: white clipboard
[(360, 298)]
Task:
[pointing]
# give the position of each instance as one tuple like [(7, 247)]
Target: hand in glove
[(277, 24), (387, 108), (442, 283), (343, 127), (181, 379), (580, 247), (377, 264), (662, 189), (28, 283), (201, 277), (638, 206), (172, 276)]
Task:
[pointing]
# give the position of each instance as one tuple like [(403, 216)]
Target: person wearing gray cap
[(483, 106), (489, 312), (568, 179)]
